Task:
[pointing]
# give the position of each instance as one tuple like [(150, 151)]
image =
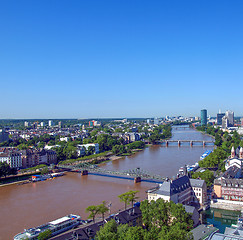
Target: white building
[(82, 148), (42, 124), (230, 116), (236, 159), (199, 188), (66, 139), (50, 123), (156, 121), (26, 124), (225, 122), (13, 159)]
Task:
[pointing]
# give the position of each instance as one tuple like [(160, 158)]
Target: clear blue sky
[(120, 58)]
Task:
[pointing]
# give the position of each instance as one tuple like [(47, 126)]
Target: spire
[(241, 153)]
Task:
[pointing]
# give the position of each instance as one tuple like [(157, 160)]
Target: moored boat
[(57, 226)]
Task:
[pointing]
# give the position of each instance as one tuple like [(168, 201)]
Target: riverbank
[(227, 205)]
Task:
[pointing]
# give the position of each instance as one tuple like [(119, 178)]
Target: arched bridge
[(190, 142)]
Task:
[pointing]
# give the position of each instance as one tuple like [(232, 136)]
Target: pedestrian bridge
[(138, 175)]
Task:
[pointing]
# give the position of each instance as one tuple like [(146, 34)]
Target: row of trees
[(224, 142), (215, 160), (97, 209), (162, 220), (160, 132), (120, 149), (127, 198)]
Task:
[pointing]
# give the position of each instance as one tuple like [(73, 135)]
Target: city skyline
[(124, 59)]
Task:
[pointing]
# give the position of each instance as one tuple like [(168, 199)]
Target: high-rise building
[(156, 121), (50, 123), (225, 122), (60, 124), (204, 117), (42, 124), (148, 121), (241, 122), (230, 116), (219, 118), (26, 124)]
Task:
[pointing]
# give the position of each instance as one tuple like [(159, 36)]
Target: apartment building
[(10, 156)]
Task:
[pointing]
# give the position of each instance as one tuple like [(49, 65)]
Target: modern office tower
[(26, 124), (204, 117), (42, 124), (156, 121), (225, 122), (230, 116), (60, 124), (148, 121), (50, 123), (219, 118)]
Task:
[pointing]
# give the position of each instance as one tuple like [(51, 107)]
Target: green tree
[(108, 231), (133, 196), (126, 198), (45, 170), (207, 176), (102, 209), (93, 211), (4, 169)]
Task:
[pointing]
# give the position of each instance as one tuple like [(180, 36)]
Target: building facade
[(219, 118), (82, 148), (11, 157), (229, 189), (182, 190), (204, 117), (230, 116)]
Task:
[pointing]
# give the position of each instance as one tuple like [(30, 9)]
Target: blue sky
[(123, 58)]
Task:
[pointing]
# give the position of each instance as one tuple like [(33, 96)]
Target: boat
[(188, 168), (37, 178), (57, 226), (59, 174), (205, 154)]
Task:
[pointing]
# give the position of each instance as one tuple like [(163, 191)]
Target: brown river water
[(33, 204)]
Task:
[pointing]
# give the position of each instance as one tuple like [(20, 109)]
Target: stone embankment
[(227, 205)]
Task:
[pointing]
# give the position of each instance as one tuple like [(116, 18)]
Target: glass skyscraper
[(204, 117)]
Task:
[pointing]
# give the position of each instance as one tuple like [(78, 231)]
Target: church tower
[(241, 153)]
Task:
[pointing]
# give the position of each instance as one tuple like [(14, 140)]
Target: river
[(33, 204)]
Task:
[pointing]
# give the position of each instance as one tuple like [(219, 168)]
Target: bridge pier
[(204, 144), (166, 143), (84, 172), (137, 179), (179, 143), (191, 143)]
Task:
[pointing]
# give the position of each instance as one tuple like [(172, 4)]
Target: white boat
[(57, 226)]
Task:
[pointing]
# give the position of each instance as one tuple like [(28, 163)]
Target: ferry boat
[(205, 154), (57, 226)]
